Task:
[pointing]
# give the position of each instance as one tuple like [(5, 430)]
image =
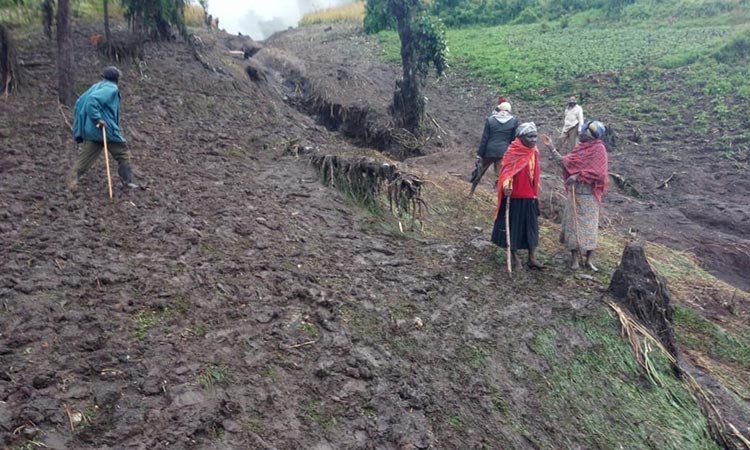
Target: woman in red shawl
[(519, 184), (586, 175)]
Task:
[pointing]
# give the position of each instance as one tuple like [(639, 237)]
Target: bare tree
[(408, 103), (64, 54)]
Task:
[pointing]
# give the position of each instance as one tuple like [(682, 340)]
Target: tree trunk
[(9, 77), (64, 54), (408, 104), (107, 34)]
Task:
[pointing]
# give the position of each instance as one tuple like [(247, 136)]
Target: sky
[(261, 18)]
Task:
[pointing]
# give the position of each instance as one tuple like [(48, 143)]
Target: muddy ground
[(703, 209), (236, 302)]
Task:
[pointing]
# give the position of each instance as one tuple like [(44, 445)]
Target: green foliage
[(156, 17), (614, 8), (377, 18), (735, 51), (430, 44)]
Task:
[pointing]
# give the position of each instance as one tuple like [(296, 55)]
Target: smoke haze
[(261, 18)]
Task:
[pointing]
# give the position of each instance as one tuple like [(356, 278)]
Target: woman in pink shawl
[(585, 171)]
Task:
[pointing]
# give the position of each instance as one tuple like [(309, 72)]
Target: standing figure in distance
[(572, 123)]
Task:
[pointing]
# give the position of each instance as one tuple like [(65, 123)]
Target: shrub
[(738, 49), (377, 17)]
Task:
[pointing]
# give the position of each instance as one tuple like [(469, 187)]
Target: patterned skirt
[(587, 226)]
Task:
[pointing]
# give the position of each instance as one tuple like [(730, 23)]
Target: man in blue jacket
[(98, 108)]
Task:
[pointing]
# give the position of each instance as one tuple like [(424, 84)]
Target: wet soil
[(703, 209), (236, 302)]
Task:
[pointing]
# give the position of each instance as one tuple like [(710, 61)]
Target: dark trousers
[(91, 151), (486, 163)]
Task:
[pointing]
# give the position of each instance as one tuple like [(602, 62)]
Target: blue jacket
[(100, 102)]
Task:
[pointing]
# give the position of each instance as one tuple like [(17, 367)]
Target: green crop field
[(527, 59), (647, 71)]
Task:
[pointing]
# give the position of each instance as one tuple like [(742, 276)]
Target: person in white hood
[(499, 132)]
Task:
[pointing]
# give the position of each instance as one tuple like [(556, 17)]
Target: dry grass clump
[(351, 12), (194, 15)]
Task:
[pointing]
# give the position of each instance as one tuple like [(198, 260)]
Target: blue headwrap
[(593, 129)]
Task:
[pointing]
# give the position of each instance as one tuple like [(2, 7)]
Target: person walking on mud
[(586, 175), (499, 131), (96, 109), (519, 185), (572, 122)]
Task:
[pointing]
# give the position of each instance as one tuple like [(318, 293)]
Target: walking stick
[(575, 222), (507, 232), (106, 162)]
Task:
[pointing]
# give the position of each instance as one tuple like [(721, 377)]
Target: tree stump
[(642, 291), (9, 73)]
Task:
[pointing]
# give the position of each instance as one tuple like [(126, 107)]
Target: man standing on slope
[(96, 109), (573, 121)]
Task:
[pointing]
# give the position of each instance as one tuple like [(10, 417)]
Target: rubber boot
[(126, 175)]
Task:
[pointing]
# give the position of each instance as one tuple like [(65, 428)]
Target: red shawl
[(588, 160), (516, 159)]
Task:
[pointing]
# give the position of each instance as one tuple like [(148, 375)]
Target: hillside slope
[(238, 303)]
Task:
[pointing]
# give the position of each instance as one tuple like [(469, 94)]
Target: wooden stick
[(507, 232), (665, 183), (106, 161), (70, 418)]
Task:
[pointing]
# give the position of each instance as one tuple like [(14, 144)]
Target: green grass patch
[(602, 394), (144, 322), (214, 375), (699, 333), (312, 411)]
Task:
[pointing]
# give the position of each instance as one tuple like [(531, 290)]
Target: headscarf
[(593, 129), (526, 128), (589, 161), (502, 112), (517, 158)]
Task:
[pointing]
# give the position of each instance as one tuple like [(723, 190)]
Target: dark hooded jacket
[(498, 133)]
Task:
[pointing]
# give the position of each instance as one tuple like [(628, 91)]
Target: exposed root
[(364, 178)]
